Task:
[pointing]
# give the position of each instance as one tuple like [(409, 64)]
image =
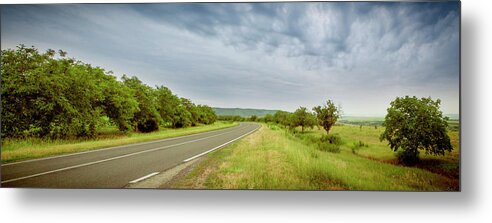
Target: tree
[(191, 108), (46, 94), (282, 117), (268, 118), (303, 118), (327, 115), (414, 124), (167, 104), (253, 118), (118, 103), (206, 114), (147, 118)]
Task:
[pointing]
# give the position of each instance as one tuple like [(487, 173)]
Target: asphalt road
[(116, 167)]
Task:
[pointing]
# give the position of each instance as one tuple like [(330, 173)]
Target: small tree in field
[(303, 118), (327, 115), (414, 124)]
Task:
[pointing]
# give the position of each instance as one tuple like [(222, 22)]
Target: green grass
[(22, 149), (273, 158)]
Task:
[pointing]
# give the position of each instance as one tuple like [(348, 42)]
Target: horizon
[(343, 115), (274, 56)]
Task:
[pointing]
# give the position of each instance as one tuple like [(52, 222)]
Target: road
[(116, 167)]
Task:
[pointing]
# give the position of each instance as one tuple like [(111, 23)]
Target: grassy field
[(273, 158), (22, 149)]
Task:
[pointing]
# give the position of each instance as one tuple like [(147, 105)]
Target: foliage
[(146, 119), (333, 139), (283, 118), (328, 147), (206, 114), (253, 118), (50, 95), (327, 115), (268, 118), (303, 118), (231, 118), (167, 105), (414, 124), (357, 145)]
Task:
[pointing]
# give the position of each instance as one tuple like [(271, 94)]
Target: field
[(29, 148), (274, 158)]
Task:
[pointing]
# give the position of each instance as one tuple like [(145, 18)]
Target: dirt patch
[(165, 178), (173, 183)]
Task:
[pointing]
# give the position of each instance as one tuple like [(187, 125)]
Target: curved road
[(116, 167)]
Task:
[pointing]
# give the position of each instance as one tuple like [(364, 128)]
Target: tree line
[(325, 116), (47, 94)]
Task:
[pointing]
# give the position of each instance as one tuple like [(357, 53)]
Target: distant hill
[(243, 112)]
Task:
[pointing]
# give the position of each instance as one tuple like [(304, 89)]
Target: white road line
[(110, 159), (116, 147), (201, 154), (144, 177)]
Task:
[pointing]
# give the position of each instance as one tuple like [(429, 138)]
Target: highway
[(116, 167)]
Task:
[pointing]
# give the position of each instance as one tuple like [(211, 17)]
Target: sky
[(361, 55)]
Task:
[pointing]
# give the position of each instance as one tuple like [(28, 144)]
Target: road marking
[(144, 177), (110, 159), (201, 154), (116, 147)]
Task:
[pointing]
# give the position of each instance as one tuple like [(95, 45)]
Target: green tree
[(327, 115), (147, 118), (268, 118), (253, 118), (192, 109), (118, 103), (206, 114), (167, 105), (182, 117), (283, 118), (45, 96), (414, 124), (302, 117), (50, 95)]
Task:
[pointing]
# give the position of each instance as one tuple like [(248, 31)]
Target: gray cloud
[(271, 55)]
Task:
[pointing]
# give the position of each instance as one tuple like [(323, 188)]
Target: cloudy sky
[(261, 55)]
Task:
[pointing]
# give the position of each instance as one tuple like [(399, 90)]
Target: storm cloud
[(260, 55)]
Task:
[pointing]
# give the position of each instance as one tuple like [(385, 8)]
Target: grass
[(29, 148), (273, 158)]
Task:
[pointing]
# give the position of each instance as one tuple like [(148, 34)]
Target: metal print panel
[(263, 96)]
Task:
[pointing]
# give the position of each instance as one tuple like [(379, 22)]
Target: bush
[(149, 125), (332, 139), (328, 147), (358, 145)]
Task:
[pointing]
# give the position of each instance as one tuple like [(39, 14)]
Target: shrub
[(332, 139), (148, 126), (328, 147), (358, 145)]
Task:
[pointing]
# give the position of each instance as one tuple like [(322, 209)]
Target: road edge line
[(108, 159), (144, 177), (220, 146), (113, 147)]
